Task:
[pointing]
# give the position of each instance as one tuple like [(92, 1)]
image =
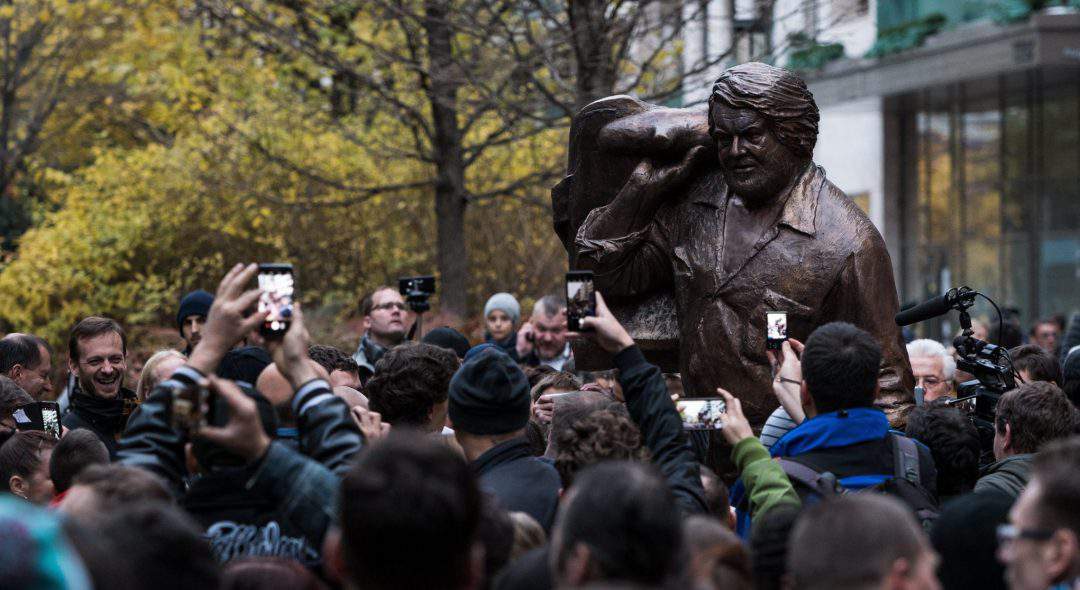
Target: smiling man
[(98, 359), (740, 224)]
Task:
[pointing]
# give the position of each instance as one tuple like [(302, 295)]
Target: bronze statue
[(724, 213)]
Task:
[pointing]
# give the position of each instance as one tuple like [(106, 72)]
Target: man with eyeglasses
[(933, 368), (1040, 546), (383, 311)]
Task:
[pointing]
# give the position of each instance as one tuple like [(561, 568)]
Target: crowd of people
[(239, 461)]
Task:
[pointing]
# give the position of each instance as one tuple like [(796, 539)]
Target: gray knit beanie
[(506, 303)]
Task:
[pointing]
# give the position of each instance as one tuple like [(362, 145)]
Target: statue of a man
[(741, 223)]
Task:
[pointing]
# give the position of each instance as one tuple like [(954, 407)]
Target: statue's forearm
[(632, 210)]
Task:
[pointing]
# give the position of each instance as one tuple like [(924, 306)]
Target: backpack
[(904, 484)]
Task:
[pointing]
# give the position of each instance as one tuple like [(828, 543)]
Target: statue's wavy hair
[(781, 96)]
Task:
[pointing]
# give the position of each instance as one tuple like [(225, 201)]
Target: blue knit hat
[(194, 303), (506, 303)]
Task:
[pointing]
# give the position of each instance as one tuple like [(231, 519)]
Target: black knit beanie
[(194, 303), (489, 394)]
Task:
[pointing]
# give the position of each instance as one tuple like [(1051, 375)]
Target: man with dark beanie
[(448, 338), (489, 409), (191, 317)]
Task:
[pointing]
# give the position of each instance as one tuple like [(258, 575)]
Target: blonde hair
[(528, 534), (146, 377)]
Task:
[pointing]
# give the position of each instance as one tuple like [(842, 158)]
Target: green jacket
[(1008, 476), (767, 486)]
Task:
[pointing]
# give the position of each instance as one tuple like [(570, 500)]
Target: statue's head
[(765, 123)]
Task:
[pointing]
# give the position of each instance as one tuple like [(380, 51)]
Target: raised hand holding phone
[(226, 324), (606, 331), (290, 352), (787, 378), (736, 426)]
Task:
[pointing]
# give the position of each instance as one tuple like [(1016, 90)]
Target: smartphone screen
[(701, 414), (38, 416), (276, 282), (776, 329), (580, 298)]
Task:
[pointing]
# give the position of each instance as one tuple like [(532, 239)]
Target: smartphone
[(190, 405), (580, 298), (776, 329), (701, 414), (43, 416), (276, 282)]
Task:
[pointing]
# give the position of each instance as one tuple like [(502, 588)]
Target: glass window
[(1058, 205), (993, 195)]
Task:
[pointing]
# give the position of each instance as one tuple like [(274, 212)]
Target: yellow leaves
[(7, 11)]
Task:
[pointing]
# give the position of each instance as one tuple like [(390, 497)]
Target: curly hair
[(332, 359), (409, 380), (602, 435), (953, 441), (779, 95)]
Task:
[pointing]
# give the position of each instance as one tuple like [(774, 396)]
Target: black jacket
[(106, 418), (866, 458), (507, 345), (651, 408), (521, 481), (281, 505)]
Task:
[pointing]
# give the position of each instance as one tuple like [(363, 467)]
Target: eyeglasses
[(1007, 533), (389, 305), (931, 381)]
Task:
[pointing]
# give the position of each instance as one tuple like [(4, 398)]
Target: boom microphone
[(933, 308)]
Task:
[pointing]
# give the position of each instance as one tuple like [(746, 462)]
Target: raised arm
[(327, 432), (651, 408), (149, 440), (622, 242)]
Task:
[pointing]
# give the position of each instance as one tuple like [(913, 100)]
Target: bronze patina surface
[(699, 221)]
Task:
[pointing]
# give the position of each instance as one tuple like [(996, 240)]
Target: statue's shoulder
[(843, 220)]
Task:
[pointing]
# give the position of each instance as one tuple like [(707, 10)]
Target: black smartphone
[(43, 416), (776, 329), (190, 406), (580, 298), (701, 414), (279, 289)]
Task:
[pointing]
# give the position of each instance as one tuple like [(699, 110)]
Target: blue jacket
[(851, 444)]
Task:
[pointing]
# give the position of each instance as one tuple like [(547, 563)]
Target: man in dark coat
[(489, 409)]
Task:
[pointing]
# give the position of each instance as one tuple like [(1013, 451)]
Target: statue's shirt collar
[(800, 210)]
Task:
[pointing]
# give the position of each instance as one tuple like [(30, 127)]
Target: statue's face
[(756, 165)]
